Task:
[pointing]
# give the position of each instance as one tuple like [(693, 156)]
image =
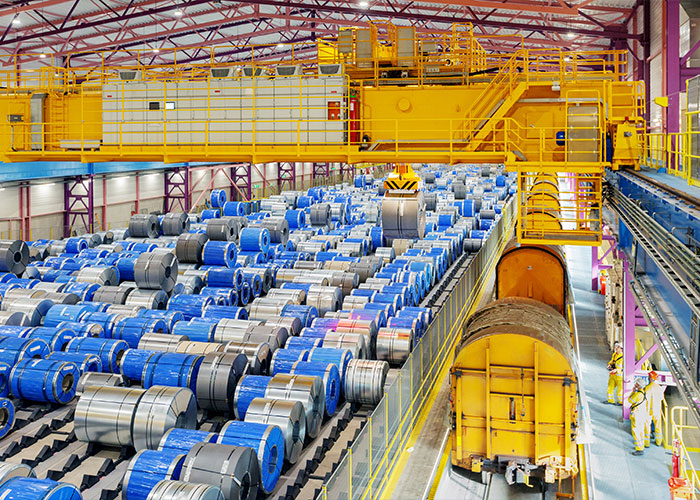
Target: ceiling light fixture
[(363, 4), (178, 13), (280, 45), (16, 21), (155, 51), (43, 56), (570, 34)]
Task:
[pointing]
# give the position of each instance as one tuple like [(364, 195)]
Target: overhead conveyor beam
[(676, 336)]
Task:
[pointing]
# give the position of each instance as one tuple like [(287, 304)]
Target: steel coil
[(283, 359), (223, 229), (9, 470), (33, 308), (197, 329), (133, 362), (234, 208), (14, 318), (329, 375), (288, 416), (44, 380), (217, 380), (175, 223), (121, 311), (295, 218), (255, 239), (275, 336), (105, 276), (259, 355), (105, 414), (219, 253), (150, 299), (234, 469), (224, 277), (28, 488), (112, 294), (57, 338), (14, 349), (144, 226), (75, 245), (190, 306), (278, 228), (303, 342), (156, 271), (194, 347), (308, 390), (170, 317), (159, 410), (339, 357), (161, 342), (181, 490), (94, 378), (320, 214), (292, 324), (132, 329), (172, 369), (394, 345), (225, 312), (249, 387), (354, 341), (217, 198), (189, 247), (147, 469), (84, 362), (364, 381), (268, 443), (7, 420), (110, 351), (183, 440)]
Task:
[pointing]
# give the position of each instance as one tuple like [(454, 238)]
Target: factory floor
[(616, 473)]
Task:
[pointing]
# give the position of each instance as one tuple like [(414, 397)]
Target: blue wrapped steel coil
[(266, 440), (44, 380), (84, 362), (244, 294), (30, 488), (223, 296), (338, 357), (57, 338), (197, 330), (7, 409), (255, 239), (191, 306), (249, 388), (104, 319), (172, 369), (283, 359), (224, 277), (64, 312), (234, 209), (83, 290), (132, 329), (219, 253), (182, 440), (109, 350), (76, 245), (148, 468), (218, 198), (169, 317), (211, 213), (225, 312), (133, 362), (303, 342), (13, 349)]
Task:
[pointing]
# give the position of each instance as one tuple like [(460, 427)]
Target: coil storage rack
[(220, 355)]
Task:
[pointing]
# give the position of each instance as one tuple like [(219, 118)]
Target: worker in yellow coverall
[(655, 395), (639, 416), (615, 376)]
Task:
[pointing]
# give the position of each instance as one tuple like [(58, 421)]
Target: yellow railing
[(675, 425)]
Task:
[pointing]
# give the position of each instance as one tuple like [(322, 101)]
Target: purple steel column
[(320, 171), (597, 261), (241, 177), (177, 189), (286, 173), (673, 74), (78, 203)]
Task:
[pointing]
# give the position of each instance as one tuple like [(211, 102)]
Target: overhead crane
[(380, 93)]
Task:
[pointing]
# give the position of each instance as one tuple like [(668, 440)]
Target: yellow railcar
[(514, 400)]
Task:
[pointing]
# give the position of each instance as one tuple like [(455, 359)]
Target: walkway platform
[(672, 181)]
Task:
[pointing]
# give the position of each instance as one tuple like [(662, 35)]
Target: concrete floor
[(617, 474)]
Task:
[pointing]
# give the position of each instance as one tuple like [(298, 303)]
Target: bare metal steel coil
[(311, 279), (100, 379), (22, 293), (111, 294), (191, 284), (57, 247), (459, 189), (278, 228), (351, 248), (105, 414), (400, 245), (159, 410), (293, 325), (308, 390), (472, 245), (93, 239), (354, 302), (263, 308), (120, 234), (49, 286), (386, 253), (161, 342), (356, 342), (175, 223), (101, 275), (323, 301), (332, 239), (195, 347), (336, 265), (62, 298), (229, 329), (217, 379), (364, 381), (189, 247), (259, 355), (9, 470), (313, 246), (149, 299), (234, 469), (288, 415), (14, 256), (38, 253), (275, 336), (13, 318), (394, 345), (320, 214), (296, 296), (144, 226), (124, 311), (308, 264), (34, 308), (223, 229), (153, 271), (346, 281), (363, 270), (168, 489), (403, 217)]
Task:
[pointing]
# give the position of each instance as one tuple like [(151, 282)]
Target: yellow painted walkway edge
[(441, 467), (388, 485)]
